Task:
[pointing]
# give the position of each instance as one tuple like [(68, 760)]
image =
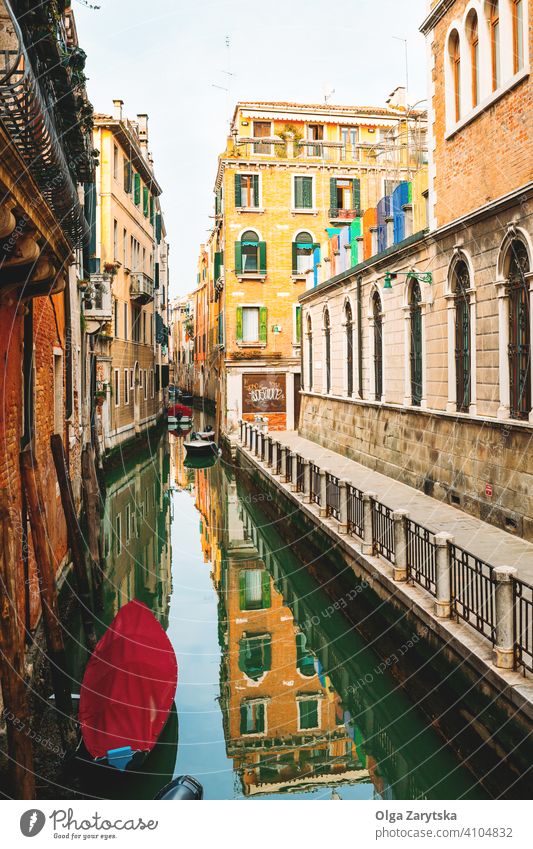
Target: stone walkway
[(481, 539)]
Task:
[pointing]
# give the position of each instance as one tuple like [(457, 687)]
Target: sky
[(169, 58)]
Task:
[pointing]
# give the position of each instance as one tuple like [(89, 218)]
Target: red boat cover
[(129, 684), (179, 410)]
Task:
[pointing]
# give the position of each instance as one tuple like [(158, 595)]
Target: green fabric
[(255, 185), (333, 193), (239, 339), (356, 193), (263, 338), (298, 325), (262, 257), (294, 258), (238, 257)]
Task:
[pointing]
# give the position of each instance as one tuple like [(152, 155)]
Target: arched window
[(327, 350), (519, 331), (462, 336), (250, 251), (302, 253), (416, 343), (455, 59), (518, 35), (349, 348), (473, 35), (378, 346), (493, 18), (309, 354)]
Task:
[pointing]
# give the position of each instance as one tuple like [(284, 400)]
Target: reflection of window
[(118, 534), (253, 717), (307, 713), (305, 660), (136, 313), (247, 190), (254, 589), (255, 655), (303, 192), (302, 253), (126, 386), (262, 129)]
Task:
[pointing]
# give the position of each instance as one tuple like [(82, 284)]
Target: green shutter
[(255, 183), (218, 264), (260, 718), (298, 192), (136, 189), (158, 227), (333, 193), (238, 257), (262, 257), (127, 177), (307, 193), (242, 573), (146, 201), (298, 319), (294, 258), (244, 719), (156, 275), (265, 576), (356, 193), (152, 208), (238, 201), (238, 334)]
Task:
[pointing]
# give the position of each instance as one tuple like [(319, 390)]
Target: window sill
[(300, 276), (249, 209), (251, 276), (252, 345), (298, 211), (489, 101)]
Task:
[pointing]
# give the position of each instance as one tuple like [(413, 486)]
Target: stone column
[(294, 461), (451, 404), (322, 509), (503, 336), (504, 649), (343, 499), (368, 539), (283, 450), (307, 482), (443, 576), (240, 430), (399, 569), (275, 449), (268, 440)]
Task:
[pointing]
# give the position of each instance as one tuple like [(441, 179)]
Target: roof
[(326, 108), (124, 131)]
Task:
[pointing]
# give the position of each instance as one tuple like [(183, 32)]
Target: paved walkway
[(483, 540)]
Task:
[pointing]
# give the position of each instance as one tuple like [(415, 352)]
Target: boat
[(195, 446), (201, 461), (184, 787), (128, 689), (206, 434), (178, 413)]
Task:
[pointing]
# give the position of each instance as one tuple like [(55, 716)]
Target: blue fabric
[(400, 197)]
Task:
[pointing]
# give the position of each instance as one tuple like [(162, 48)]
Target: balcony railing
[(141, 287), (338, 214), (98, 301)]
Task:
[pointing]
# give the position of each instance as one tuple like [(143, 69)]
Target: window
[(252, 717), (252, 324), (115, 316), (307, 714), (254, 589), (115, 162), (302, 253), (128, 523), (118, 534), (309, 354), (377, 316), (474, 57), (255, 655), (455, 59), (349, 348), (116, 387), (327, 350), (115, 239), (136, 189), (136, 313), (145, 385), (127, 176), (247, 191), (493, 17), (250, 254), (126, 386), (518, 35), (416, 343), (519, 350), (262, 129), (58, 391), (151, 383), (144, 328), (125, 247), (315, 132), (125, 321), (303, 192), (305, 659), (462, 336), (345, 197), (350, 141), (140, 378)]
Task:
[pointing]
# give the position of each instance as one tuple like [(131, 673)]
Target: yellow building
[(292, 175), (130, 297)]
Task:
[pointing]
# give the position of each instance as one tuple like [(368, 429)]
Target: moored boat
[(196, 446)]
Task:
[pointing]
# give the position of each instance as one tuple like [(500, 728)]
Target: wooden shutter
[(238, 201), (156, 275), (136, 189), (238, 333), (255, 184), (238, 257), (262, 257), (298, 320), (146, 201), (294, 258), (356, 193), (127, 177), (298, 192), (307, 193), (333, 193), (218, 264), (158, 227), (265, 576)]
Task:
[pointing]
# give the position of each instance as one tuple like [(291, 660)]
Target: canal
[(294, 680)]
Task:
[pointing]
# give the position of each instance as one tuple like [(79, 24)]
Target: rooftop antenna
[(229, 74), (398, 38), (328, 94)]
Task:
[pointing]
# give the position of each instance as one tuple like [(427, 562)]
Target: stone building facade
[(454, 415)]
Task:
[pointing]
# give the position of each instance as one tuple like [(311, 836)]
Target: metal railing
[(314, 477), (421, 556), (141, 286), (300, 473), (523, 594), (356, 521), (473, 591), (288, 466), (333, 497), (382, 530)]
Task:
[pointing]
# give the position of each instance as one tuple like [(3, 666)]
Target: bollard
[(443, 576), (368, 538), (283, 450), (275, 449), (323, 509), (343, 498), (240, 430), (399, 567), (503, 652), (307, 482), (294, 470), (268, 440)]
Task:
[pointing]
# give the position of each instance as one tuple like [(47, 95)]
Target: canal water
[(294, 681)]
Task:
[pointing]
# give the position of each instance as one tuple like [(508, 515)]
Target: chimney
[(398, 98), (142, 123), (117, 109)]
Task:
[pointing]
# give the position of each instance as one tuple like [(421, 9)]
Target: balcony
[(337, 214), (97, 298), (141, 287)]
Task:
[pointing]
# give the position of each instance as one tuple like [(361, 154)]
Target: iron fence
[(421, 557), (300, 473), (333, 496), (382, 530), (314, 483), (288, 466), (356, 519), (523, 612), (473, 591)]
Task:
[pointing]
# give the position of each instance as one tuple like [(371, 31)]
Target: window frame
[(258, 146), (116, 386), (304, 209)]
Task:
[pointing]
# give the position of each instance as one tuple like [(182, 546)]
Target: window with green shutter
[(252, 717), (308, 713), (302, 253), (238, 334), (333, 193), (247, 191), (263, 331), (298, 325), (303, 192), (238, 257), (158, 227), (136, 189), (127, 176), (152, 209), (218, 265), (262, 257), (356, 193), (255, 655), (146, 201), (254, 589)]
